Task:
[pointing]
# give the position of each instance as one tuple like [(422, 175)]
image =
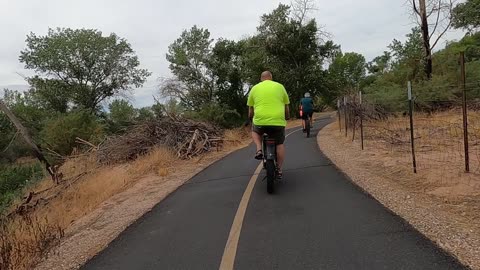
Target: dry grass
[(160, 161), (438, 147), (100, 183), (24, 240), (87, 186)]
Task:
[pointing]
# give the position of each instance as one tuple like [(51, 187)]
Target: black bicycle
[(269, 149), (307, 127)]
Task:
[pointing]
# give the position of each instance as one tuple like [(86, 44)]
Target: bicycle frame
[(269, 149)]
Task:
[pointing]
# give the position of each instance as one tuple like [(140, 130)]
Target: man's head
[(266, 75), (307, 95)]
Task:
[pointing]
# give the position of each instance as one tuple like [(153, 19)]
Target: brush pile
[(188, 138)]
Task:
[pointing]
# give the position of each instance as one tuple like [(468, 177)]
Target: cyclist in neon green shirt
[(268, 106)]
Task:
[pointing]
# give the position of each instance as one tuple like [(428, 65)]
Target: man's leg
[(257, 139), (280, 155), (280, 137)]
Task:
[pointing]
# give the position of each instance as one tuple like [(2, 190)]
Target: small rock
[(408, 197), (464, 214)]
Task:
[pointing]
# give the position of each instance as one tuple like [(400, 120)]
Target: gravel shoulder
[(452, 222)]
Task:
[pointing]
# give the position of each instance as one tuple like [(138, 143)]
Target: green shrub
[(13, 178), (388, 95), (216, 114), (59, 134)]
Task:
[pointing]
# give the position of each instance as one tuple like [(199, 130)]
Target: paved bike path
[(317, 219)]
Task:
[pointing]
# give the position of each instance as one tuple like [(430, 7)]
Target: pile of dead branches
[(188, 138)]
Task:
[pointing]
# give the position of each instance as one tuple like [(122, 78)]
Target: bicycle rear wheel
[(271, 175)]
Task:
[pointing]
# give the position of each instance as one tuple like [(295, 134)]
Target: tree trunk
[(426, 40), (23, 131)]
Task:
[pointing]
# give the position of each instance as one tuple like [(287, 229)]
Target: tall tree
[(380, 64), (122, 114), (227, 68), (189, 56), (467, 15), (408, 58), (432, 32), (293, 52), (81, 67), (348, 70)]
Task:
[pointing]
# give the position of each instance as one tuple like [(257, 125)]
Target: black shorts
[(275, 132), (307, 114)]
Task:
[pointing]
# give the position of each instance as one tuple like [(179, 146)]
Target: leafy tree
[(122, 114), (467, 15), (145, 114), (189, 56), (216, 113), (32, 115), (380, 64), (387, 89), (349, 70), (121, 111), (408, 57), (292, 52), (220, 73), (61, 132), (227, 66), (80, 67)]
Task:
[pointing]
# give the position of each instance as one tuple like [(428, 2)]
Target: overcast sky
[(364, 26)]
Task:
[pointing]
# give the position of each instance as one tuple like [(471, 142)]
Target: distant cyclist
[(306, 107), (268, 106)]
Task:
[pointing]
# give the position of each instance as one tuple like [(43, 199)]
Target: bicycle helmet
[(307, 95)]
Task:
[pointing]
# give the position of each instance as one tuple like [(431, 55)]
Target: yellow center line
[(230, 251)]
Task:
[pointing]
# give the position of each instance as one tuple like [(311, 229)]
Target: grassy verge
[(86, 186)]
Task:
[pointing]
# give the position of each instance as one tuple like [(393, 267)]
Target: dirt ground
[(441, 200)]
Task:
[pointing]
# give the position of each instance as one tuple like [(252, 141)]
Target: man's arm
[(286, 101), (250, 112)]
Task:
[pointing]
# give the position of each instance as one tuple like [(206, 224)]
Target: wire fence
[(441, 141)]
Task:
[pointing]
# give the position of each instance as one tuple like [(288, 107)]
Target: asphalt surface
[(317, 219)]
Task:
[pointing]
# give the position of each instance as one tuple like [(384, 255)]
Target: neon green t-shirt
[(268, 100)]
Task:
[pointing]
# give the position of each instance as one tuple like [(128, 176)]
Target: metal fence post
[(339, 114), (464, 109), (412, 138), (361, 118), (353, 118), (345, 112)]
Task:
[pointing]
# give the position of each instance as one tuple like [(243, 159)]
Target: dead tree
[(301, 8), (23, 131), (432, 32)]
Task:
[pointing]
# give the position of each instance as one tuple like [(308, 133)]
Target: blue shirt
[(307, 104)]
